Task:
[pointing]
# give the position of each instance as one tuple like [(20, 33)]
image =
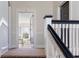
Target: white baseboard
[(39, 46), (1, 53), (3, 50)]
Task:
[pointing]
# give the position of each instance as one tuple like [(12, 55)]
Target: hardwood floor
[(25, 53)]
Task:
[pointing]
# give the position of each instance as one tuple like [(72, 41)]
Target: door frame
[(17, 25), (65, 26)]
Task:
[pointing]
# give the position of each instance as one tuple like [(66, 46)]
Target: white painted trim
[(5, 47), (3, 50), (39, 46), (62, 2), (70, 10), (3, 22)]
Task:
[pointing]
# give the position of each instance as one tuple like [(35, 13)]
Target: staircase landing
[(25, 53)]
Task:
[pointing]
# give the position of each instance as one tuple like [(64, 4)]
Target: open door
[(24, 23)]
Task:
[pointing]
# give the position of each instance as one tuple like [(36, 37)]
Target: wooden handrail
[(65, 21)]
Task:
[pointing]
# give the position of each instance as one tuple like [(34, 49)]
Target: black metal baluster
[(65, 35), (68, 36), (62, 32)]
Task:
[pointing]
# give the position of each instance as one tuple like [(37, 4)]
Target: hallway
[(39, 29), (25, 53)]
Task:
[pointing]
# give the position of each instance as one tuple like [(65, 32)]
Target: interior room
[(39, 29)]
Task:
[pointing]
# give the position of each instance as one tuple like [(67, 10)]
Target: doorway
[(24, 30), (64, 9)]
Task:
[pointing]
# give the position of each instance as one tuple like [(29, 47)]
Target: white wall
[(56, 9), (74, 10), (3, 26), (39, 9)]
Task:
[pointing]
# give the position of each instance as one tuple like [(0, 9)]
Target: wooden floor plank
[(25, 53)]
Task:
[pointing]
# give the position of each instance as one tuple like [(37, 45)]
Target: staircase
[(62, 38)]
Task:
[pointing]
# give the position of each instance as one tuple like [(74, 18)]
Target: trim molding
[(3, 50), (39, 46), (3, 22)]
